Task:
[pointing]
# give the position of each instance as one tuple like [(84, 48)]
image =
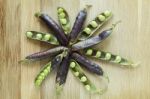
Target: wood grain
[(130, 39)]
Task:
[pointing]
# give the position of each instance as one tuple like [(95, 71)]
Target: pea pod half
[(78, 72), (64, 19), (107, 56), (94, 25), (48, 68), (44, 37)]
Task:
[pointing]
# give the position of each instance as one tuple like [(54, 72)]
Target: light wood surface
[(130, 39)]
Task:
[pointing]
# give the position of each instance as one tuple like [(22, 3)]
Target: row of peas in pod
[(43, 74), (45, 37), (63, 19), (95, 24), (78, 72), (107, 56)]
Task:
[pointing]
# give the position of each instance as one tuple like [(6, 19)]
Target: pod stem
[(115, 24), (88, 6), (24, 61)]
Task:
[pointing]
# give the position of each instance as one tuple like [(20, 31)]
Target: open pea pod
[(78, 72), (94, 25), (63, 18), (48, 68), (44, 37), (107, 56)]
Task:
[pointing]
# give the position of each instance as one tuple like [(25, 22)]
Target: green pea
[(40, 78), (72, 64), (76, 73), (87, 30), (89, 52), (47, 37), (29, 34), (63, 21), (93, 24), (118, 59), (87, 87), (62, 15), (83, 79), (60, 10), (107, 13), (101, 18), (46, 71), (42, 74), (98, 54), (38, 82), (107, 56), (38, 36)]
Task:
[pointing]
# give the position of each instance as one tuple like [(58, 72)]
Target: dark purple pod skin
[(45, 54), (87, 64), (58, 31), (80, 19), (63, 71)]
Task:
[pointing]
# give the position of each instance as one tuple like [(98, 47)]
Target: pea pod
[(78, 72), (47, 69), (87, 64), (107, 56), (95, 39), (44, 37), (44, 54), (58, 31), (62, 73), (94, 25), (80, 19), (64, 19)]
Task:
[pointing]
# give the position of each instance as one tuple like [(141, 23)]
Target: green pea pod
[(78, 72), (94, 25), (48, 68), (107, 56), (44, 37), (64, 21)]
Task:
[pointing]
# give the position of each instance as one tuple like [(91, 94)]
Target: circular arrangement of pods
[(72, 47)]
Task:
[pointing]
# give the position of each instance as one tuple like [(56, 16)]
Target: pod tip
[(23, 61), (59, 88)]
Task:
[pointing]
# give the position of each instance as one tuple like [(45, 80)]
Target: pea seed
[(101, 18), (72, 64), (63, 21), (60, 10), (42, 74), (83, 79), (87, 87), (46, 71), (118, 59), (62, 15), (40, 78), (38, 82), (108, 56), (29, 34), (76, 73), (48, 68), (89, 52), (94, 24), (87, 30), (107, 13), (98, 54), (38, 36), (47, 37)]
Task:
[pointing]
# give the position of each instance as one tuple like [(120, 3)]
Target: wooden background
[(130, 39)]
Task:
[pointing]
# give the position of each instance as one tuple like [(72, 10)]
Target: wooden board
[(130, 39)]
